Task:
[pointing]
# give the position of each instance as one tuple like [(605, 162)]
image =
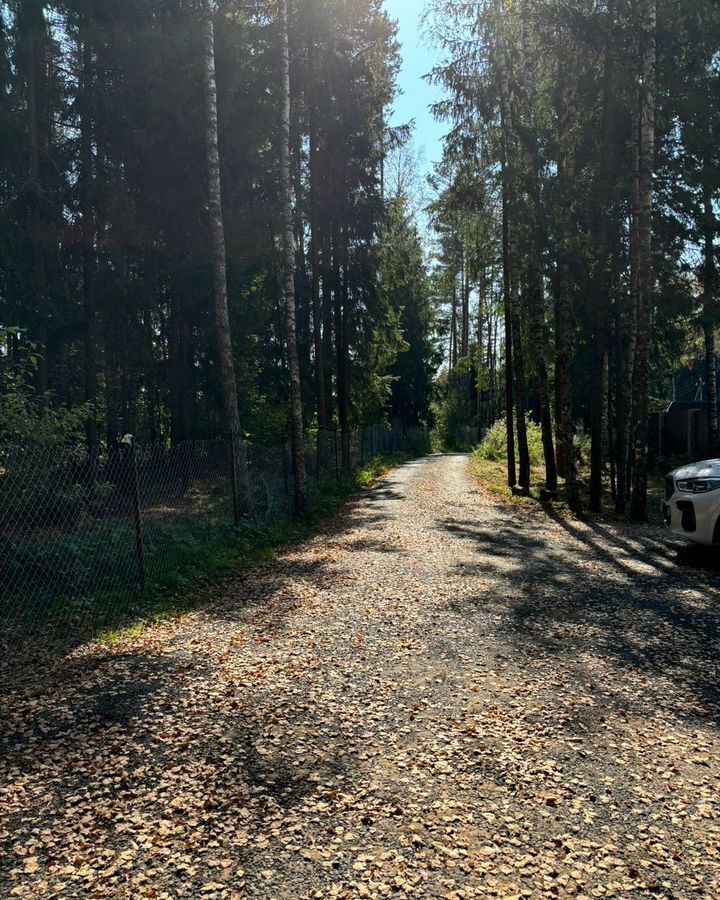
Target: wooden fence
[(680, 432)]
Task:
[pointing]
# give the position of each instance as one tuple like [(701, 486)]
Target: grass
[(492, 475), (191, 586)]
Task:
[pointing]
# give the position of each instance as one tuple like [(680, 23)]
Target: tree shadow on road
[(574, 591), (41, 658)]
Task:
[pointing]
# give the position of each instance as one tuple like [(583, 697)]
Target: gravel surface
[(438, 695)]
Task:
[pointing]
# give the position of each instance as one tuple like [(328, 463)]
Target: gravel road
[(438, 695)]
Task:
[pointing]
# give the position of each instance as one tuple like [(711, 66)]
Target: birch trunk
[(315, 255), (453, 328), (346, 323), (492, 357), (479, 354), (326, 266), (465, 308), (340, 298), (219, 263)]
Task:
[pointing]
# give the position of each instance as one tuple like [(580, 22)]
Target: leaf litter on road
[(436, 696)]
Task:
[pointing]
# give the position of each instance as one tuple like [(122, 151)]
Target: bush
[(451, 424), (417, 442), (494, 446), (583, 445), (29, 418)]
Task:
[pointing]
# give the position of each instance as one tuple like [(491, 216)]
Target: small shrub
[(583, 445), (494, 445), (451, 424), (417, 442)]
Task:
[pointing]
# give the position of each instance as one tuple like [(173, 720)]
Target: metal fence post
[(137, 513)]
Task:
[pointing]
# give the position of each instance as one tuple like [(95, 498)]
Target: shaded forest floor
[(439, 694)]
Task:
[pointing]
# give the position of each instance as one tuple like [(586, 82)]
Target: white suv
[(692, 502)]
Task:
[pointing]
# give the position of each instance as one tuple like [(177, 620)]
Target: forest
[(347, 550), (207, 226), (577, 201), (194, 218)]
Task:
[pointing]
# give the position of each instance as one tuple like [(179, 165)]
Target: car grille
[(669, 487), (689, 522)]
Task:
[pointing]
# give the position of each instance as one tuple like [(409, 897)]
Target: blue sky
[(419, 56)]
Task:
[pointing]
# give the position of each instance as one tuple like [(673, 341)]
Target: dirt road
[(436, 696)]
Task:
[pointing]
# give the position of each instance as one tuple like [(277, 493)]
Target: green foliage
[(450, 423), (405, 287), (582, 442), (184, 586), (548, 128), (418, 442), (62, 562), (494, 445), (28, 418), (145, 281)]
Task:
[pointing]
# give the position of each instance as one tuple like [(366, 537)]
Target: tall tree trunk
[(628, 328), (563, 307), (492, 366), (509, 399), (346, 323), (480, 347), (326, 265), (645, 281), (607, 258), (87, 176), (315, 253), (465, 328), (510, 262), (453, 327), (112, 337), (33, 33), (296, 411), (219, 263), (536, 280), (710, 311), (150, 369), (339, 298)]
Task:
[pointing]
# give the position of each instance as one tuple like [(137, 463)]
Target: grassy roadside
[(492, 477), (191, 587)]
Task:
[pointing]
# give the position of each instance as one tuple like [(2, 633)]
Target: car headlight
[(699, 485)]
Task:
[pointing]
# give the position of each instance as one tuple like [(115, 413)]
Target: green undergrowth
[(492, 476), (190, 586)]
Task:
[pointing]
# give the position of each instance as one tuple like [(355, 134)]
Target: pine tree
[(298, 436)]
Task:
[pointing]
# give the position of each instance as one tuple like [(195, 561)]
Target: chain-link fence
[(84, 538)]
